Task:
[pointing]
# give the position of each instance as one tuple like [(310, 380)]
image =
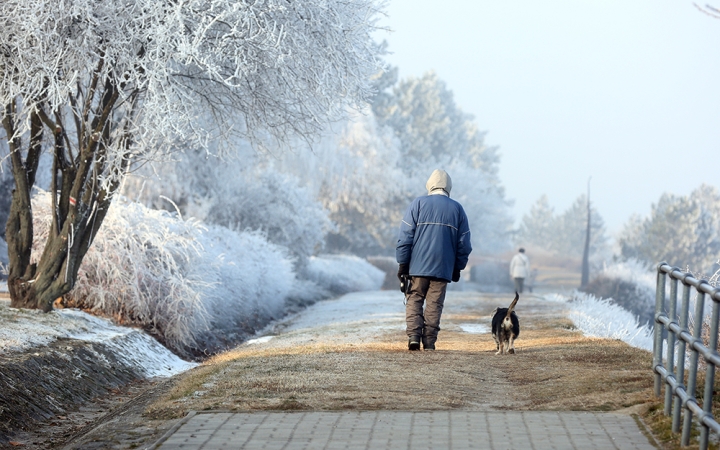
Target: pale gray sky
[(627, 92)]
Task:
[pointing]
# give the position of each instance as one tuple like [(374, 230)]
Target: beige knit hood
[(439, 179)]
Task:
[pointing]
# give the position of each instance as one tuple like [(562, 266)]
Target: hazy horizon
[(620, 92)]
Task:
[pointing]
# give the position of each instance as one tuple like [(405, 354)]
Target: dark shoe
[(426, 344), (414, 343)]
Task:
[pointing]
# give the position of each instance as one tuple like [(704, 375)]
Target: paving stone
[(454, 430)]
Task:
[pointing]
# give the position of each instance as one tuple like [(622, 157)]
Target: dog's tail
[(512, 305)]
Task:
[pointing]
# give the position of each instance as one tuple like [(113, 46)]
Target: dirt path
[(351, 354), (362, 362)]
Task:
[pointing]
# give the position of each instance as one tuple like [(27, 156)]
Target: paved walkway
[(406, 430)]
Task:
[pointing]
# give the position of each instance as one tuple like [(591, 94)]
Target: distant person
[(433, 247), (519, 269)]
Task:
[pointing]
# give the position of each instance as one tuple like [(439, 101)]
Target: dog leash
[(405, 287)]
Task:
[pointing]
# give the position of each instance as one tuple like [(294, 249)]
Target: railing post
[(672, 312), (680, 368), (692, 376), (658, 328), (710, 373)]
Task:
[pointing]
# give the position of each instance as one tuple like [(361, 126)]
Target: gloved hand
[(403, 269), (456, 275)]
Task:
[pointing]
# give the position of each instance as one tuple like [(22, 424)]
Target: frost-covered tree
[(572, 226), (242, 192), (563, 233), (539, 226), (434, 132), (354, 172), (430, 125), (681, 230), (362, 188), (100, 86)]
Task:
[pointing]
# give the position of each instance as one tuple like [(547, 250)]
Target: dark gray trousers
[(519, 284), (426, 324)]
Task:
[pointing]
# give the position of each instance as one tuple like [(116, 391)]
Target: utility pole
[(585, 277)]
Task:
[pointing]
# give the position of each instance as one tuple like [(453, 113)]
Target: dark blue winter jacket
[(434, 237)]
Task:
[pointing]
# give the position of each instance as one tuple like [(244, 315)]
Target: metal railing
[(672, 374)]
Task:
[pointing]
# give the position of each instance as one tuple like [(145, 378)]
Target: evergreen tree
[(681, 230), (538, 227)]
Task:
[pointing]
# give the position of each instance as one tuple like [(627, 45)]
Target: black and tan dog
[(506, 327)]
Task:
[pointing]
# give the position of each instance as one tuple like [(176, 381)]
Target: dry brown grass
[(555, 368)]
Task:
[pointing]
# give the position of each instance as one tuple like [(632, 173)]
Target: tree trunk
[(19, 227), (79, 203), (585, 276)]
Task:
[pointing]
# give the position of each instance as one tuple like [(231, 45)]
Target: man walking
[(519, 269), (433, 247)]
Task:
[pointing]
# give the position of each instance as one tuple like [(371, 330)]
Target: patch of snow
[(353, 318), (474, 328), (3, 286), (259, 340), (375, 306), (23, 329)]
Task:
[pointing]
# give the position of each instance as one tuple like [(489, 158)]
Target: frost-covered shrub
[(355, 173), (190, 285), (600, 318), (630, 285), (340, 274), (250, 287), (237, 193), (275, 204), (564, 234)]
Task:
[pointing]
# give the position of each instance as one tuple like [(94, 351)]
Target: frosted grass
[(600, 318)]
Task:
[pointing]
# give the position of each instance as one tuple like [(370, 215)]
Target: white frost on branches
[(240, 193), (257, 68)]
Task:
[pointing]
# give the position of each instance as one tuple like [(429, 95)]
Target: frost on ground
[(474, 328), (358, 317), (601, 318), (24, 329), (351, 354)]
